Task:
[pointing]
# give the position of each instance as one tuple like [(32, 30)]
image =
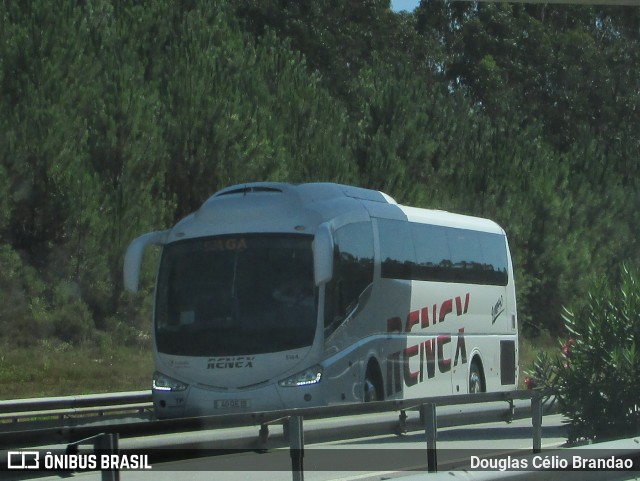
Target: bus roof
[(301, 208), (444, 218)]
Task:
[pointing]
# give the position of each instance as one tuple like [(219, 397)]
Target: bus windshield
[(236, 295)]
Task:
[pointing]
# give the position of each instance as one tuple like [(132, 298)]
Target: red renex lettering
[(429, 352), (421, 316)]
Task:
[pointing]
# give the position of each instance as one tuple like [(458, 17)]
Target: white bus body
[(275, 295)]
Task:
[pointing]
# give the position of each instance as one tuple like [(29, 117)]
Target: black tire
[(475, 379), (372, 391)]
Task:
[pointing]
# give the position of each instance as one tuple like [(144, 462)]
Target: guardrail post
[(536, 420), (402, 423), (263, 434), (108, 443), (430, 429), (511, 412), (296, 447)]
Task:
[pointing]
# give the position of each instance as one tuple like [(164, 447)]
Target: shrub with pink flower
[(566, 348), (594, 376), (529, 382)]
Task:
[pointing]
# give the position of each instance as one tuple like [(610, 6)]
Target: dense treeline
[(121, 117)]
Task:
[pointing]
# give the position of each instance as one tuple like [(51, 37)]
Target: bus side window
[(353, 273), (397, 252)]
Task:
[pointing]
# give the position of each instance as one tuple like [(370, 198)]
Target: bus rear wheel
[(475, 378), (372, 385)]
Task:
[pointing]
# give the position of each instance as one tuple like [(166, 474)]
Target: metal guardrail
[(26, 435), (427, 407), (141, 400), (96, 404), (106, 436)]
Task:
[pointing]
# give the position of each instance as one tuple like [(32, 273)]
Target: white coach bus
[(275, 295)]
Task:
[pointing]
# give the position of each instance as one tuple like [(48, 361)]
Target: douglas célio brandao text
[(565, 461)]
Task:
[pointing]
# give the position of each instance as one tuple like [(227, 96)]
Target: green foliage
[(596, 376), (117, 118), (72, 322), (240, 112), (394, 113), (338, 39), (54, 368), (20, 295)]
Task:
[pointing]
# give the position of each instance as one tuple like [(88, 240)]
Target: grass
[(54, 368)]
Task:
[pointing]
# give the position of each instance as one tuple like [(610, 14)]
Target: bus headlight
[(166, 383), (303, 378)]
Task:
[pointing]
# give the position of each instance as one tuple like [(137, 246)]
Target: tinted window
[(444, 254), (433, 258), (232, 295), (352, 273), (494, 254), (396, 249), (466, 256)]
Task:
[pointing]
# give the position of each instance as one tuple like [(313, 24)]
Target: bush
[(597, 372), (22, 306), (72, 322)]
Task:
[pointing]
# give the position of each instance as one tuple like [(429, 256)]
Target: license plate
[(232, 403)]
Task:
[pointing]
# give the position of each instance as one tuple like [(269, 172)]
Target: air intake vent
[(249, 189)]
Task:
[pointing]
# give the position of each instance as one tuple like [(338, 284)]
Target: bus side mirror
[(133, 257), (323, 255)]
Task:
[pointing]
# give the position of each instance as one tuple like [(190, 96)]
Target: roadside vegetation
[(117, 118), (55, 368), (595, 372)]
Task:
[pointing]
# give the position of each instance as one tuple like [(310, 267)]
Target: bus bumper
[(199, 401)]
